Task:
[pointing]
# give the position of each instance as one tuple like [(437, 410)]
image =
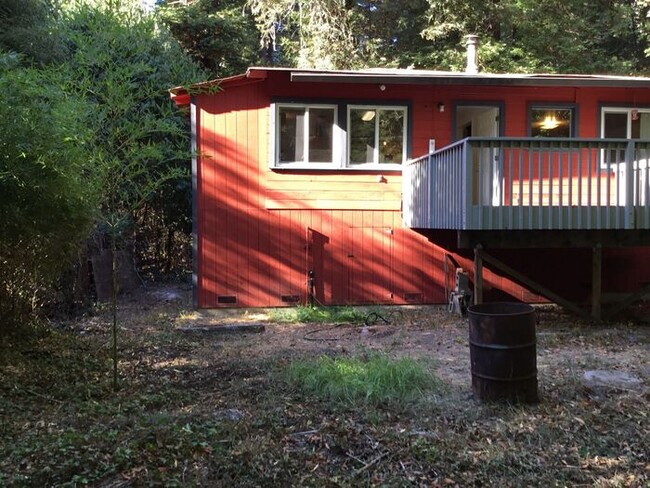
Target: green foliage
[(94, 138), (308, 33), (541, 36), (305, 314), (123, 64), (516, 35), (373, 379), (47, 183), (220, 35), (26, 28)]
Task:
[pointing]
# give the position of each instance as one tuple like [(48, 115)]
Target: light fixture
[(368, 115), (441, 107), (382, 87), (550, 122)]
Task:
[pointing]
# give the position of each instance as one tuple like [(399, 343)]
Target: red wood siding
[(260, 231)]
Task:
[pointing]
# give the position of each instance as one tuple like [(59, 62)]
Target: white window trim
[(376, 164), (619, 110), (274, 138), (340, 139), (628, 133)]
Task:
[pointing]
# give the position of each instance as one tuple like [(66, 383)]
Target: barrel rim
[(526, 309)]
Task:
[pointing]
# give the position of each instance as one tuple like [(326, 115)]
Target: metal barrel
[(503, 352)]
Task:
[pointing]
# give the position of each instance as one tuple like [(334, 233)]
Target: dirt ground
[(214, 408), (565, 344)]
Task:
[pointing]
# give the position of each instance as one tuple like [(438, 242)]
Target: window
[(552, 121), (328, 136), (626, 123), (623, 123), (376, 135), (305, 135)]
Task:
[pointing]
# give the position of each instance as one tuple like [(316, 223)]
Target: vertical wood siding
[(260, 231)]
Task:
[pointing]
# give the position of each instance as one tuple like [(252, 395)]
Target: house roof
[(181, 95)]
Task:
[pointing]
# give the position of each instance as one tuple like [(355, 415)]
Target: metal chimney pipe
[(472, 44)]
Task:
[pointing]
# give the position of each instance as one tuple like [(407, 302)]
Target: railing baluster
[(574, 184)]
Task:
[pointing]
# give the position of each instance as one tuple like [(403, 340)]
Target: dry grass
[(210, 410)]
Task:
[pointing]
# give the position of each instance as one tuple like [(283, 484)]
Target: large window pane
[(615, 125), (321, 121), (362, 135), (391, 135), (551, 122), (292, 126)]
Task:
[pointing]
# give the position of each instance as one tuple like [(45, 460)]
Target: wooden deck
[(534, 193), (533, 184)]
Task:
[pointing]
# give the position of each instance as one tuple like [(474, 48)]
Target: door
[(482, 121)]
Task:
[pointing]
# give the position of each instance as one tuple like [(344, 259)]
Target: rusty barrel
[(503, 352)]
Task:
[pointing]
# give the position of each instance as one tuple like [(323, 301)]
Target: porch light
[(550, 122)]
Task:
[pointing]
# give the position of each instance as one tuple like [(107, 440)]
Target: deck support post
[(596, 281), (478, 274)]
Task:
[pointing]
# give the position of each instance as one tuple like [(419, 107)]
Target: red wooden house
[(362, 187)]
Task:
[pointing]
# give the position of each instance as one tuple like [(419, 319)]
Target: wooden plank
[(326, 182), (352, 194), (255, 328), (542, 290), (478, 274), (283, 204), (521, 239), (334, 176)]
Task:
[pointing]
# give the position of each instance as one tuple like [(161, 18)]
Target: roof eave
[(460, 79), (182, 95)]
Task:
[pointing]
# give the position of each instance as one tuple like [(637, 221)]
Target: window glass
[(551, 122), (306, 134), (362, 135), (321, 122), (615, 125), (391, 134), (376, 135), (291, 134)]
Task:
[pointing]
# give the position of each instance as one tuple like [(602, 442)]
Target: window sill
[(375, 168)]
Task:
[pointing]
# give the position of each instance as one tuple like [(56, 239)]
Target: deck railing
[(530, 184)]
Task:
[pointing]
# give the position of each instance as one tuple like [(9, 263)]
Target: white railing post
[(467, 177), (630, 186)]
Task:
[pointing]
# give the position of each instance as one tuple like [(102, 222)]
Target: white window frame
[(375, 164), (628, 132), (337, 149), (620, 110)]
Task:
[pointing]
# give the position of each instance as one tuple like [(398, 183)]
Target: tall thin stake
[(114, 304)]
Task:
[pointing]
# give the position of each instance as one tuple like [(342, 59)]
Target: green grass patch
[(304, 314), (372, 379)]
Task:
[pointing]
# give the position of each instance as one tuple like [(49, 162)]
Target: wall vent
[(414, 297), (226, 299), (290, 298)]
